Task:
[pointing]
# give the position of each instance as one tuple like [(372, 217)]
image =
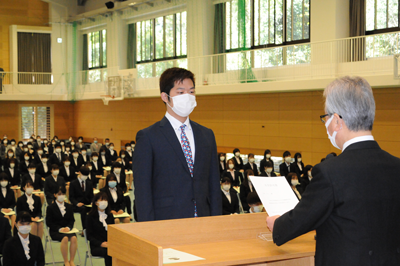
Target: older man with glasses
[(353, 200)]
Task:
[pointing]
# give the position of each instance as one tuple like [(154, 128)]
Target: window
[(36, 120), (160, 39), (382, 16), (97, 49)]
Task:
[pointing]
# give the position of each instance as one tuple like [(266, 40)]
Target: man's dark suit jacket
[(14, 254), (353, 202), (76, 194), (5, 231), (164, 188)]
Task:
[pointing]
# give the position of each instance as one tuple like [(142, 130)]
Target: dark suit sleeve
[(142, 171), (71, 219), (72, 196), (5, 231), (40, 261), (313, 209), (50, 219), (213, 182), (7, 251), (90, 232)]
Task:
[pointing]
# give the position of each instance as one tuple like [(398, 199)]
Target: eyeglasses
[(322, 117)]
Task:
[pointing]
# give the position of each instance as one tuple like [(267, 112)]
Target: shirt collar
[(226, 192), (60, 204), (357, 139), (176, 124), (26, 240)]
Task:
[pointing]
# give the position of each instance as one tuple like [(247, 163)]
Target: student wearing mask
[(12, 145), (38, 156), (36, 179), (268, 170), (222, 163), (97, 170), (3, 146), (76, 163), (91, 178), (236, 177), (97, 222), (287, 166), (31, 204), (299, 165), (117, 170), (254, 203), (237, 160), (129, 154), (124, 160), (267, 158), (115, 197), (47, 147), (24, 248), (81, 193), (295, 185), (112, 155), (245, 188), (106, 146), (53, 182), (95, 146), (26, 161), (72, 144), (251, 164), (38, 144), (230, 201), (67, 171), (57, 156), (133, 144), (79, 145), (7, 199), (306, 179), (44, 166), (19, 150), (84, 157), (67, 151), (62, 144), (14, 175), (9, 155), (60, 220), (104, 159)]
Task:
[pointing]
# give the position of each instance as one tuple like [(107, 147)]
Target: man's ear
[(164, 97), (339, 123)]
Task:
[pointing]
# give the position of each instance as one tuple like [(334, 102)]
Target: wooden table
[(221, 240)]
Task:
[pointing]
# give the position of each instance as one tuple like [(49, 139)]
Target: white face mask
[(258, 208), (90, 168), (269, 170), (32, 171), (103, 204), (299, 160), (231, 166), (56, 172), (12, 143), (12, 165), (40, 152), (80, 141), (237, 154), (58, 150), (29, 190), (61, 198), (226, 187), (10, 155), (26, 158), (123, 156), (295, 182), (83, 152), (24, 229), (251, 160), (112, 147), (95, 159), (183, 104), (76, 155), (72, 143), (222, 158), (117, 170), (128, 148), (288, 159), (67, 163), (4, 183), (268, 156), (84, 177), (333, 137), (44, 160)]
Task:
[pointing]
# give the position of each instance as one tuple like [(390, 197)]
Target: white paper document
[(275, 194), (122, 215), (72, 231), (175, 256)]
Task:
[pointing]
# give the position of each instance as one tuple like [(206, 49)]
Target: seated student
[(44, 166), (112, 155), (36, 179), (251, 164), (15, 177), (116, 169), (32, 153), (104, 158), (245, 188), (286, 166), (124, 160), (115, 197), (267, 158), (295, 185), (68, 172), (60, 220), (31, 204), (97, 222), (52, 183), (38, 156), (97, 169), (9, 155), (23, 248), (95, 146), (47, 148), (306, 178), (62, 144), (129, 154), (299, 165), (7, 198), (72, 145), (237, 160), (230, 201), (91, 177), (84, 157), (254, 203), (222, 163), (76, 162), (235, 176), (57, 156), (129, 178), (268, 170), (23, 166), (80, 144), (67, 151), (81, 193), (133, 144), (5, 231)]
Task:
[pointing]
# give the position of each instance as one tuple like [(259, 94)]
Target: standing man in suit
[(287, 166), (356, 215), (174, 163)]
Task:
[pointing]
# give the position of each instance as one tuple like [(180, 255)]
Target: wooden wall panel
[(250, 122)]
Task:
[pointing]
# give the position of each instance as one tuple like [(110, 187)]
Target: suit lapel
[(200, 149), (20, 248), (170, 135)]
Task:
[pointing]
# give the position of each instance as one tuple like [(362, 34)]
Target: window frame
[(385, 30), (100, 49), (51, 106)]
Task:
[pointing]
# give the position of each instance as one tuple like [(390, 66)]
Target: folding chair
[(88, 253)]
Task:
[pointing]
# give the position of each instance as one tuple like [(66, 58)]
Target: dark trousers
[(83, 210), (128, 204), (102, 252)]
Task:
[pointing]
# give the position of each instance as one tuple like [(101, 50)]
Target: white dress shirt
[(113, 192), (104, 160), (4, 191), (102, 218), (176, 125), (227, 194), (33, 177), (67, 170), (11, 172), (357, 139), (61, 206), (30, 201), (25, 245), (45, 168)]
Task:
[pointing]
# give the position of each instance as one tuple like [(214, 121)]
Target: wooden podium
[(221, 240)]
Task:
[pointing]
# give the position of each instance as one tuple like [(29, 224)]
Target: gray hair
[(351, 98)]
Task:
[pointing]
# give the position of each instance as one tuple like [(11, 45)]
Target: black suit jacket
[(40, 169), (55, 221), (78, 163), (119, 204), (122, 180), (95, 231), (247, 166), (7, 202), (238, 166), (16, 178), (14, 254), (356, 217), (297, 169), (54, 159), (71, 176), (51, 187), (272, 174), (38, 184), (263, 164), (22, 205), (5, 231), (112, 157), (284, 170), (221, 168), (238, 178), (77, 195), (164, 187), (230, 207)]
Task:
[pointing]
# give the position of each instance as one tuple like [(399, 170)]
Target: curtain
[(357, 28), (131, 55), (85, 59), (219, 38), (34, 55)]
